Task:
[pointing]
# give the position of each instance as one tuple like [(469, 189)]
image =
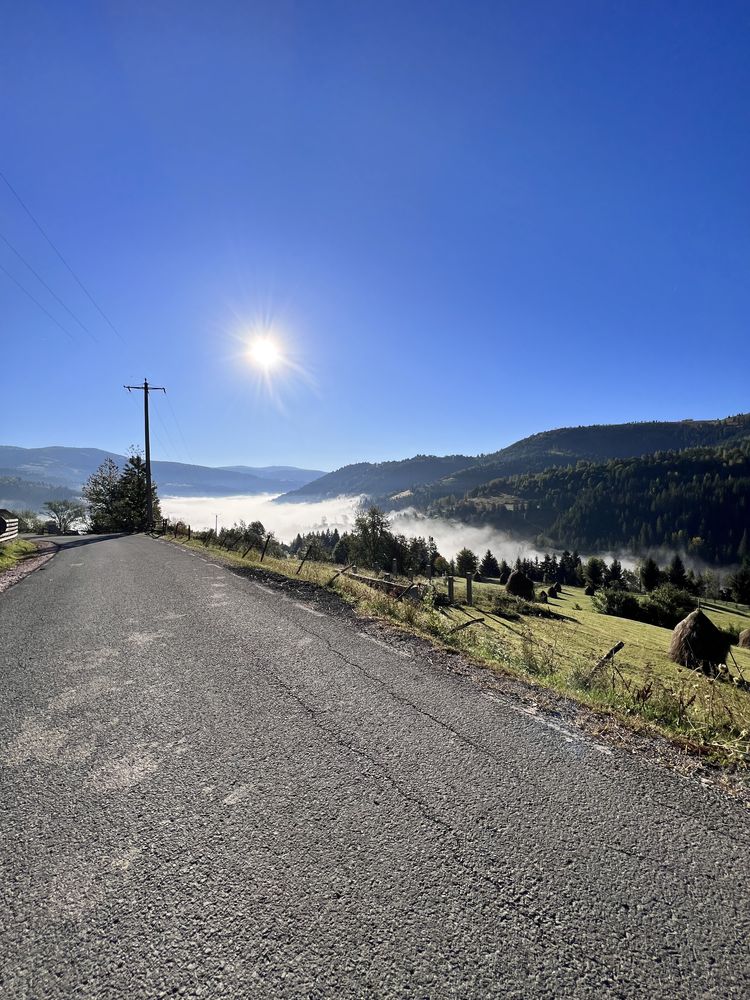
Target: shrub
[(666, 605), (619, 603)]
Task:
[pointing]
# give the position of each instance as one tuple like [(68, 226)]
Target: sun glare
[(265, 353)]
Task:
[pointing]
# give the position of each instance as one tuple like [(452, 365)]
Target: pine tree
[(676, 572), (101, 493), (466, 562), (489, 565), (650, 574), (132, 496)]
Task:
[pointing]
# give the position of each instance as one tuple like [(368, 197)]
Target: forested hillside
[(426, 477), (16, 493), (696, 501), (597, 443), (380, 479)]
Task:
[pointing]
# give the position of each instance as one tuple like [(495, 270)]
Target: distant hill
[(379, 479), (596, 443), (696, 501), (287, 473), (424, 478), (23, 494), (69, 468)]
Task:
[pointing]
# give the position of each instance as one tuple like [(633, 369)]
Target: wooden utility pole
[(145, 389)]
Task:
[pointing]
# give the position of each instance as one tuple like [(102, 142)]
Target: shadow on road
[(73, 541)]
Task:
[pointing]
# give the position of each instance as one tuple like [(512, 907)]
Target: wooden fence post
[(309, 548), (469, 595), (350, 566), (265, 547), (450, 590)]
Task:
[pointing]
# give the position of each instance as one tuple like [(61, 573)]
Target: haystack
[(519, 585), (543, 596), (744, 639), (697, 643), (590, 591)]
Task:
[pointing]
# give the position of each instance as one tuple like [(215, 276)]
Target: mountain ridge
[(407, 482), (68, 467)]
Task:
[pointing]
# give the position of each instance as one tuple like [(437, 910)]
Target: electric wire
[(179, 430), (85, 290), (88, 294), (38, 303), (52, 292), (170, 442)]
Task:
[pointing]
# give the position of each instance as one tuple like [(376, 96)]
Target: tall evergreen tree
[(489, 565), (117, 500), (466, 562), (650, 574), (101, 493), (133, 495), (676, 572), (593, 571)]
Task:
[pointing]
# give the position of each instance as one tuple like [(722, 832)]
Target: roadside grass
[(640, 686), (13, 552)]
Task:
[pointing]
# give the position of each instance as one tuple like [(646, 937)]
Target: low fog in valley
[(288, 519)]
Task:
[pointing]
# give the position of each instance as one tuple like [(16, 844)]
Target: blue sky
[(467, 222)]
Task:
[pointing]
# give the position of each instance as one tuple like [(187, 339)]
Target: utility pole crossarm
[(145, 389)]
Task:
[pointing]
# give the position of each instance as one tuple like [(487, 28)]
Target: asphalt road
[(209, 790)]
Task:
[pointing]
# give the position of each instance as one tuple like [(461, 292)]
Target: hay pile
[(744, 639), (519, 585), (697, 643)]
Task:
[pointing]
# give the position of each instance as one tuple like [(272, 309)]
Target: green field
[(588, 634), (640, 685)]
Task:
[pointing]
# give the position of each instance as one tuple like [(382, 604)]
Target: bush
[(613, 601), (666, 605)]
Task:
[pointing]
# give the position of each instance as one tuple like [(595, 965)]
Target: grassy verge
[(640, 686), (12, 553)]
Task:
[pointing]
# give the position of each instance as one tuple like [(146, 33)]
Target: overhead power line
[(85, 290), (52, 292), (35, 300), (179, 431)]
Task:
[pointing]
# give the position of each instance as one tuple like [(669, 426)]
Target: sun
[(265, 353)]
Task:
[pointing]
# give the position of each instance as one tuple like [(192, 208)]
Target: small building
[(8, 525)]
